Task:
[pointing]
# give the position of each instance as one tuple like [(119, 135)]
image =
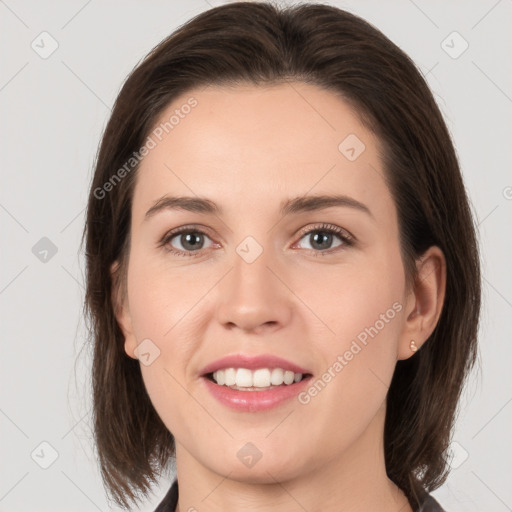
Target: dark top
[(168, 504)]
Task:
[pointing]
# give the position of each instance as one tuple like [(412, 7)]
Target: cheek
[(164, 298), (167, 308), (347, 300), (358, 367), (373, 310), (363, 306), (371, 319)]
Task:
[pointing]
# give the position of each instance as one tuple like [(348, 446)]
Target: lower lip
[(254, 401)]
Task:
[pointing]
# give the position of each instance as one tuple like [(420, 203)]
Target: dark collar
[(429, 505), (168, 504)]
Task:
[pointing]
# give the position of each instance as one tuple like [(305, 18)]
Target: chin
[(263, 470)]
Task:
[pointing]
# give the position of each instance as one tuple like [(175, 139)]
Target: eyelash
[(347, 239)]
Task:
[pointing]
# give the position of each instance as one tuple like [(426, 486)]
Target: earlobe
[(425, 302), (122, 310)]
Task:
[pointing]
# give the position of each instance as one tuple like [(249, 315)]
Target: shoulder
[(168, 504)]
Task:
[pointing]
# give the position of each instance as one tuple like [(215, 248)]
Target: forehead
[(254, 142)]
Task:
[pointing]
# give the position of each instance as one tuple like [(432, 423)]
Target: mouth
[(254, 372), (254, 383)]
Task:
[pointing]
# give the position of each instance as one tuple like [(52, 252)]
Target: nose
[(254, 297)]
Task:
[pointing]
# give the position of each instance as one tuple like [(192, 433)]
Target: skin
[(247, 148)]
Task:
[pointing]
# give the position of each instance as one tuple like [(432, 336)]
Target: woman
[(282, 272)]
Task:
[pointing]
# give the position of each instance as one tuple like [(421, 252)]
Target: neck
[(353, 481)]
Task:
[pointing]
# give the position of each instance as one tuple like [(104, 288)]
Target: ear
[(425, 301), (122, 310)]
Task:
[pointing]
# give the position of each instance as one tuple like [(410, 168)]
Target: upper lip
[(252, 363)]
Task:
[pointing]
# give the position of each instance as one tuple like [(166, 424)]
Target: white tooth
[(244, 378), (288, 377), (277, 377), (229, 376), (220, 377), (261, 378)]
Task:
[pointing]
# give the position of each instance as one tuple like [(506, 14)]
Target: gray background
[(53, 111)]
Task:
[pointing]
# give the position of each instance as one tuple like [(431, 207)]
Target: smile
[(243, 379)]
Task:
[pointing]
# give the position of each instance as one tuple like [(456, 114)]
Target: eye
[(321, 238), (185, 241), (190, 240)]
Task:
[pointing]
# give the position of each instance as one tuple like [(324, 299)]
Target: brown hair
[(260, 43)]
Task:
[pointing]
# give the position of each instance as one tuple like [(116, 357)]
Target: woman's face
[(263, 276)]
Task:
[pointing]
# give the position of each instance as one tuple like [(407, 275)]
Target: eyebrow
[(289, 206)]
